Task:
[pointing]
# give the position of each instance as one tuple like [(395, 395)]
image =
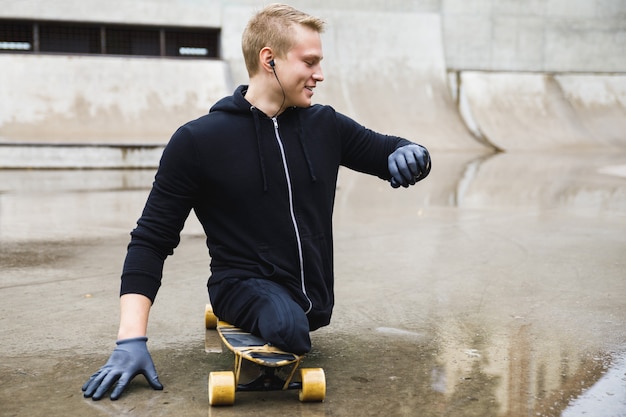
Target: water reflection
[(495, 288), (609, 392), (442, 377), (595, 183), (515, 261), (592, 182)]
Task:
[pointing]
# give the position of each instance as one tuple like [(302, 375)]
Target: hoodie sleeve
[(365, 150), (167, 207)]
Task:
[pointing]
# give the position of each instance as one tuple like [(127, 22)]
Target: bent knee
[(288, 335)]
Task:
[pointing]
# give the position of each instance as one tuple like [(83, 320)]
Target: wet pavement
[(494, 288)]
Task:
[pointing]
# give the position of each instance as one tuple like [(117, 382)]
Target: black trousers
[(263, 308)]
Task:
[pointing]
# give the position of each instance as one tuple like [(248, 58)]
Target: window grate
[(132, 41), (16, 37), (190, 43), (107, 39), (70, 39)]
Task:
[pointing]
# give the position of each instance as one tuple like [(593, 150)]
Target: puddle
[(442, 368), (33, 254), (474, 294), (607, 394)]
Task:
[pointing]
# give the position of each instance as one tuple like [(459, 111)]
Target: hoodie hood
[(237, 104)]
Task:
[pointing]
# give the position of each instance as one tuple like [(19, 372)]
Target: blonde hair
[(272, 27)]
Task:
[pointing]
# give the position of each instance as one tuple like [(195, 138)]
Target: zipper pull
[(275, 120)]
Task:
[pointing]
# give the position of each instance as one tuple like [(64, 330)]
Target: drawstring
[(257, 126), (304, 149)]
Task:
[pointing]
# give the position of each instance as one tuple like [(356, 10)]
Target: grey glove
[(408, 165), (130, 358)]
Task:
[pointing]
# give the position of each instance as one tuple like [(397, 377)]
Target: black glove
[(130, 358), (408, 165)]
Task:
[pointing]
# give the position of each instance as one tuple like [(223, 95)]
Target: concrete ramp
[(599, 102), (387, 71), (529, 112)]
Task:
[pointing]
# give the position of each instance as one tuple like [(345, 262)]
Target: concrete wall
[(164, 12), (91, 99), (387, 64), (535, 35), (494, 35)]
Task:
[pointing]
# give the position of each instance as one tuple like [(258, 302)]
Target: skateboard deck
[(269, 359)]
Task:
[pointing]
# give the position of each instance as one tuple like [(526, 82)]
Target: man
[(260, 173)]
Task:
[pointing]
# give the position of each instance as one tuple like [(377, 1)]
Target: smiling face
[(300, 70)]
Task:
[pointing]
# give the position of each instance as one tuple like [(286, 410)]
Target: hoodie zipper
[(292, 212)]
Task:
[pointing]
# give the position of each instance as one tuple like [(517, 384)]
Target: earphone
[(273, 65)]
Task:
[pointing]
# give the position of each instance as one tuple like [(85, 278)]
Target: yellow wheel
[(313, 385), (222, 388), (210, 319)]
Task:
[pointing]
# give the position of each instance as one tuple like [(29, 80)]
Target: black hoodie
[(263, 190)]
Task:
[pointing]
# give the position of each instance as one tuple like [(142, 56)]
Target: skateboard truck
[(269, 381)]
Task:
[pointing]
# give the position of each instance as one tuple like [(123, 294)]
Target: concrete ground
[(494, 288)]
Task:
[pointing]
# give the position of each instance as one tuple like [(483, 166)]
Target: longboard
[(269, 359)]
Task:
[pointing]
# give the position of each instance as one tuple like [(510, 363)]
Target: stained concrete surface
[(494, 288), (538, 111)]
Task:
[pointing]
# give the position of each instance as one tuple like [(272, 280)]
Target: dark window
[(16, 36), (191, 43), (123, 41), (112, 39), (68, 38)]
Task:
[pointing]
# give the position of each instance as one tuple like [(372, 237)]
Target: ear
[(266, 59)]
